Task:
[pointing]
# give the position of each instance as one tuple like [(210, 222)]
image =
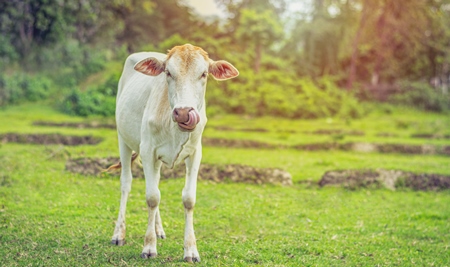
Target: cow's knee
[(188, 200), (153, 197)]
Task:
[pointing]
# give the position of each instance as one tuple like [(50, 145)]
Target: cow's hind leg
[(153, 196), (189, 195), (158, 226), (126, 179)]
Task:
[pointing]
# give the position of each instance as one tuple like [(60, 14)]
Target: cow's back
[(129, 73), (133, 95)]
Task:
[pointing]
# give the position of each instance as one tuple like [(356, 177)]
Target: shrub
[(421, 95), (276, 93), (88, 103), (20, 87), (99, 100)]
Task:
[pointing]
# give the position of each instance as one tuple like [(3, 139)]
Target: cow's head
[(186, 68)]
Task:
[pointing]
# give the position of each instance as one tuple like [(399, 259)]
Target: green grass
[(50, 217)]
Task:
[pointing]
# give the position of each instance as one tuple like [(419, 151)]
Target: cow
[(160, 115)]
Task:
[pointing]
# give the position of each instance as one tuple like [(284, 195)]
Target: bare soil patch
[(384, 134), (380, 148), (49, 139), (351, 146), (236, 143), (391, 179), (431, 136), (78, 125), (231, 129), (338, 132), (215, 173)]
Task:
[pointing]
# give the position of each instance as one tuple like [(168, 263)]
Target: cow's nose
[(181, 114)]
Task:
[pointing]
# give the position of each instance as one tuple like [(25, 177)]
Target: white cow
[(161, 116)]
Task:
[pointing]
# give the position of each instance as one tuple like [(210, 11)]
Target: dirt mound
[(215, 173), (391, 179), (79, 125), (49, 139)]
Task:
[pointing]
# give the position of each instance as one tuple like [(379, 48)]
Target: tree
[(258, 30), (272, 10), (355, 43), (132, 17), (438, 43), (394, 38), (33, 22), (319, 38)]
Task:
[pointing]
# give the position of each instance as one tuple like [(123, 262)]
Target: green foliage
[(20, 87), (259, 27), (172, 41), (68, 63), (422, 96), (277, 93), (88, 103), (290, 54), (99, 100)]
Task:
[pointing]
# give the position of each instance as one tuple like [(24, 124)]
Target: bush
[(421, 95), (98, 100), (69, 63), (276, 93), (88, 103), (21, 87)]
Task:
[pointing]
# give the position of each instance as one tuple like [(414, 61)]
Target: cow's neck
[(169, 142)]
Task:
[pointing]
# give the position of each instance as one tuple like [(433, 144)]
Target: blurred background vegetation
[(323, 58)]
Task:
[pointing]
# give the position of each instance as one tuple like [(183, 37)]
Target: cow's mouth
[(191, 123)]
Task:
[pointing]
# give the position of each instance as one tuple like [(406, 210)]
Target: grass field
[(51, 217)]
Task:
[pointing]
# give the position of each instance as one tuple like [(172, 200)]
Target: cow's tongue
[(194, 118)]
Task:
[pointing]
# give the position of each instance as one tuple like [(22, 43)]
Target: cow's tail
[(118, 165)]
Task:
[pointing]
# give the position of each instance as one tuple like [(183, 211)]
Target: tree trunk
[(258, 56), (382, 37), (362, 22), (444, 78), (26, 35)]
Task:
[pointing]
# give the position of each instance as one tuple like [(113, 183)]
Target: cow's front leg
[(189, 195), (152, 176)]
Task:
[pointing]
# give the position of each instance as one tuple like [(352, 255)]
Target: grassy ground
[(49, 217)]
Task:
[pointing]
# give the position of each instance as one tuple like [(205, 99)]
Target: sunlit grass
[(50, 217)]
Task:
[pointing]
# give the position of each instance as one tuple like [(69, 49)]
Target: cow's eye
[(168, 74), (204, 75)]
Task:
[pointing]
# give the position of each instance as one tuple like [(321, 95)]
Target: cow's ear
[(150, 66), (222, 70)]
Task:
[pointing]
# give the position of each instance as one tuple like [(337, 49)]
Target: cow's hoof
[(192, 259), (147, 255), (162, 236), (118, 242)]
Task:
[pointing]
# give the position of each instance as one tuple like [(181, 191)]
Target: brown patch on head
[(187, 53)]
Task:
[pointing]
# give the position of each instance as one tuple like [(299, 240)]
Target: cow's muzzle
[(187, 118)]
